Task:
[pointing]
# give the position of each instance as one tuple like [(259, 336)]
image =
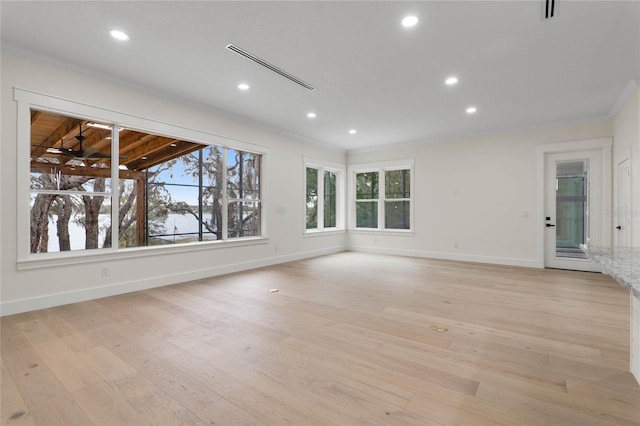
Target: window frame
[(340, 171), (380, 168), (27, 100)]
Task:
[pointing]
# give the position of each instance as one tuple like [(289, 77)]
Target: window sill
[(394, 232), (48, 260), (318, 233)]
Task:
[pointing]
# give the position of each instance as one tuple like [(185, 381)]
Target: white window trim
[(340, 171), (380, 167), (27, 100)]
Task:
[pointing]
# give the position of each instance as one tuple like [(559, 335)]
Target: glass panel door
[(571, 208), (574, 209)]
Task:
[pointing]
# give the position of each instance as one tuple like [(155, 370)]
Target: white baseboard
[(56, 299), (506, 261)]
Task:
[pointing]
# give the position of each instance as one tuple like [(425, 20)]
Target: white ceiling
[(370, 73)]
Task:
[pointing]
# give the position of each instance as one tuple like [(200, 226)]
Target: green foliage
[(367, 214), (397, 184), (312, 198), (367, 186), (330, 199)]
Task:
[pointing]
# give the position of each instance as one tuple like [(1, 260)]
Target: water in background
[(174, 225)]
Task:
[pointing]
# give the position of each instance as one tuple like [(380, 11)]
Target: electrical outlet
[(105, 271), (455, 245)]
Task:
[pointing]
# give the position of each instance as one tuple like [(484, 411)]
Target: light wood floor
[(346, 340)]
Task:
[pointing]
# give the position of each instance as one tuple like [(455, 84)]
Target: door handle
[(618, 227), (548, 225)]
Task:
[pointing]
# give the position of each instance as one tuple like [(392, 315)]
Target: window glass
[(367, 214), (70, 183), (244, 219), (396, 215), (65, 222), (179, 213), (243, 175), (397, 184), (330, 199), (312, 198), (129, 226), (367, 186)]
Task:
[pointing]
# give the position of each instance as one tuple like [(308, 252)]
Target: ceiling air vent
[(269, 66), (549, 8)]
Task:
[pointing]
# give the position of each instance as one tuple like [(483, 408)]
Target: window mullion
[(115, 187), (381, 199), (200, 194), (225, 197), (320, 191)]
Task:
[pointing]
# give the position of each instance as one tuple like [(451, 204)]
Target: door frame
[(604, 146), (595, 213), (621, 157)]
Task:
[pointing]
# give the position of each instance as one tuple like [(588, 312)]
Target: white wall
[(626, 139), (41, 287), (477, 192)]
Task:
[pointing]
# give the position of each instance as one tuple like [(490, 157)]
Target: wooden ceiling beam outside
[(133, 141), (59, 133), (34, 115), (151, 146), (97, 139), (131, 138), (134, 145), (99, 172), (159, 157)]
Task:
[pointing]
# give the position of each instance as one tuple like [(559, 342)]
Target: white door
[(622, 214), (573, 208)]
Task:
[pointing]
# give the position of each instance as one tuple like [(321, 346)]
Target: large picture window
[(164, 190), (323, 189), (381, 197)]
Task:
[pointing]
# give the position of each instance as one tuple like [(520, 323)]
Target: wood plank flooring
[(346, 340)]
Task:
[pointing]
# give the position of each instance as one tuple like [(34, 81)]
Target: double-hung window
[(381, 196), (323, 191)]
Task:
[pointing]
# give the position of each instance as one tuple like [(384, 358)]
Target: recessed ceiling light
[(119, 35), (472, 110), (409, 21), (353, 131), (174, 144), (144, 157), (311, 115), (450, 81), (243, 86)]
